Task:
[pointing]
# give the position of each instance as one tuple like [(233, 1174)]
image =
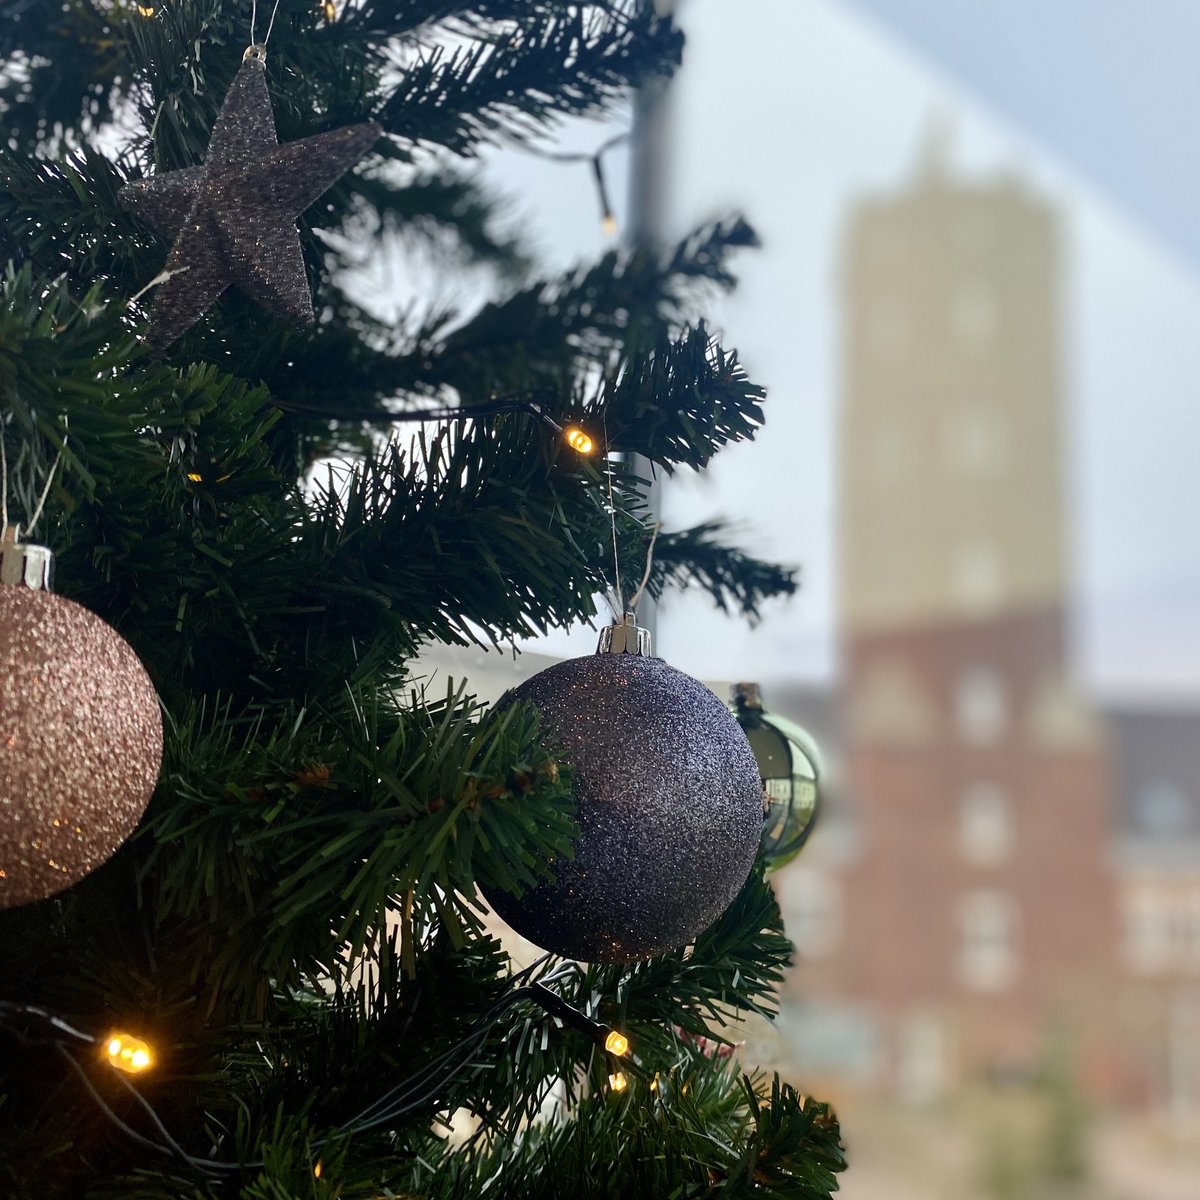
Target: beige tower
[(976, 908), (952, 449)]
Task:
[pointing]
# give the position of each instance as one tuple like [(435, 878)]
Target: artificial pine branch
[(681, 401), (404, 808), (451, 217), (680, 1132), (733, 969), (509, 86), (295, 927), (699, 557)]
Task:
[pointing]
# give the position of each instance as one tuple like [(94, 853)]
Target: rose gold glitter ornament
[(80, 733)]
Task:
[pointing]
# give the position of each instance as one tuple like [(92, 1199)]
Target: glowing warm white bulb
[(608, 223), (578, 440), (145, 10), (128, 1053), (616, 1043), (617, 1081), (330, 10)]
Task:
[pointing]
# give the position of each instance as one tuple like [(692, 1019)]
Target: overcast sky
[(1110, 86), (792, 109)]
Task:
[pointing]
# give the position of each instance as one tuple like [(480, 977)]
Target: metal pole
[(648, 196)]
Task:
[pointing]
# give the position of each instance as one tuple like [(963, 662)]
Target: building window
[(887, 329), (981, 707), (974, 441), (812, 912), (921, 1057), (891, 454), (1162, 929), (985, 828), (1164, 808), (973, 316), (1147, 930), (987, 959), (978, 579), (1059, 718), (972, 231), (892, 705)]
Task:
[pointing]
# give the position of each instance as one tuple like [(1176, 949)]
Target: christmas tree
[(280, 985)]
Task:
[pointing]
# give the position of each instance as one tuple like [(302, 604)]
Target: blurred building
[(1006, 863), (1157, 858), (1006, 868)]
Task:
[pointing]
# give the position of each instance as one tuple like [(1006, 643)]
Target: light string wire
[(514, 402), (52, 1019), (425, 1083), (596, 159), (103, 1105), (530, 402), (375, 1115), (414, 1091), (402, 1098)]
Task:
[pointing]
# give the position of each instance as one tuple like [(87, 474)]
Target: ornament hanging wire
[(619, 607), (270, 24), (633, 603), (40, 506)]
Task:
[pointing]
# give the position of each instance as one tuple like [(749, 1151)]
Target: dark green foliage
[(733, 579), (733, 969), (694, 1130), (295, 925), (511, 86), (680, 401)]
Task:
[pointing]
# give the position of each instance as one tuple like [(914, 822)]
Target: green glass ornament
[(790, 767)]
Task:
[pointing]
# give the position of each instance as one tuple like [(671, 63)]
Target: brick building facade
[(973, 895)]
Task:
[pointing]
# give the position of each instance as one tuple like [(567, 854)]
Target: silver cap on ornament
[(746, 695), (625, 636), (25, 565)]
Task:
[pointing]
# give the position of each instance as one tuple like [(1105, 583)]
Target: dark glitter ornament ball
[(669, 806), (80, 743)]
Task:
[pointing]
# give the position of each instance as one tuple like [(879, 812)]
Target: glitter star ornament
[(80, 733), (234, 218), (668, 801)]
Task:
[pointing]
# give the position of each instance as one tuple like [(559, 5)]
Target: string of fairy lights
[(127, 1054), (572, 433)]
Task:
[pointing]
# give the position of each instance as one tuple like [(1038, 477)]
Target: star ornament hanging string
[(234, 218)]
